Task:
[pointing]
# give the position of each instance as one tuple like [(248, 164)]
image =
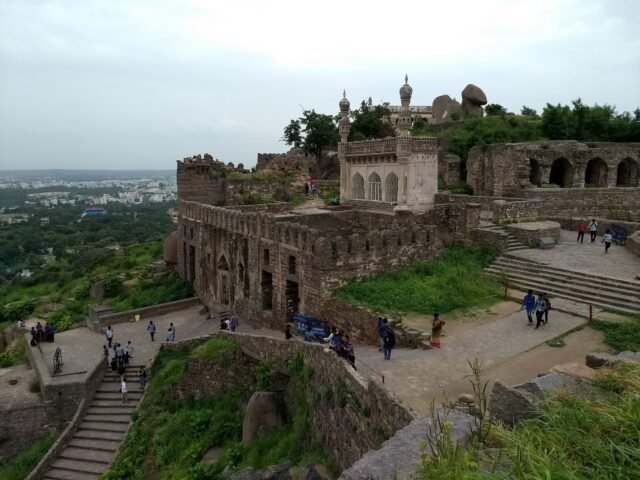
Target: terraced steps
[(513, 243), (92, 448), (598, 290)]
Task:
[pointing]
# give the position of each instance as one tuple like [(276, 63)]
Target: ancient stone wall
[(21, 427), (633, 243), (350, 415), (239, 191)]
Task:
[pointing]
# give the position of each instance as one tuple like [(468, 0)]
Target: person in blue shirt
[(541, 307), (309, 336), (529, 304)]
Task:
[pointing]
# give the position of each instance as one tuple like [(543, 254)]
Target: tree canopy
[(495, 109), (314, 132), (369, 122)]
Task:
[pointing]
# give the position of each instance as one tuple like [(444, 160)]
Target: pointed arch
[(391, 188), (375, 187), (561, 173), (627, 173), (596, 173), (357, 187), (222, 263)]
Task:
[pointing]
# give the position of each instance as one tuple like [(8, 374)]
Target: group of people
[(122, 355), (338, 341), (311, 186), (540, 306), (607, 238), (41, 333), (230, 323)]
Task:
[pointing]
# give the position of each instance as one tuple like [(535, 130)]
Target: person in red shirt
[(581, 229)]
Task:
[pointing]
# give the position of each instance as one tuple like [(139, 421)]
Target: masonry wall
[(21, 427), (350, 415)]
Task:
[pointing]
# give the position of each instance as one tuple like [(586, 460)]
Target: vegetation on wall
[(452, 281), (18, 467)]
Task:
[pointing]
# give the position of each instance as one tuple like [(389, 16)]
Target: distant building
[(44, 221), (94, 212)]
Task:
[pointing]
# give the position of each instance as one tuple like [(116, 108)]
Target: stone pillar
[(344, 128)]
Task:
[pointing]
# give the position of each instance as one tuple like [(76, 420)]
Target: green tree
[(557, 122), (314, 132), (292, 134), (369, 122), (528, 112), (494, 109)]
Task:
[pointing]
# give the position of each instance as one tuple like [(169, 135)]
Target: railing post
[(590, 314)]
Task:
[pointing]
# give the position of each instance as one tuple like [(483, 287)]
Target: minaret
[(344, 128), (404, 118)]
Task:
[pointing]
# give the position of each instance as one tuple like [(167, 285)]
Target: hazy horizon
[(141, 84)]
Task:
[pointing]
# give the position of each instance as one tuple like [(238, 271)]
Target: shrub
[(18, 467), (218, 349), (621, 336)]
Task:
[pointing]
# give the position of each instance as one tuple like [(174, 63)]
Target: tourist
[(119, 354), (306, 189), (223, 324), (436, 330), (121, 370), (379, 328), (529, 303), (333, 332), (125, 358), (541, 307), (142, 376), (20, 323), (34, 337), (173, 329), (593, 229), (606, 239), (581, 229), (346, 351), (548, 303), (313, 190), (129, 349), (287, 332), (123, 389), (39, 332), (114, 364), (109, 335), (51, 332), (388, 338), (309, 336), (171, 336), (105, 352), (151, 328), (233, 322)]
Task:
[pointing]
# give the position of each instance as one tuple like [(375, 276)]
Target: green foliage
[(254, 176), (257, 199), (528, 112), (263, 374), (15, 354), (370, 123), (220, 349), (153, 291), (621, 336), (454, 280), (330, 195), (18, 467), (15, 311), (313, 131), (493, 109), (293, 134), (442, 185)]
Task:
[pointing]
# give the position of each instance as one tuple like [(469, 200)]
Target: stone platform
[(532, 232)]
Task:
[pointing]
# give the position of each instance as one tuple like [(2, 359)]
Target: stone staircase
[(598, 290), (513, 243), (101, 430), (370, 205)]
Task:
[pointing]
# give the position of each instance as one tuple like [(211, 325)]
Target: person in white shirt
[(593, 229), (129, 349), (123, 389), (606, 239)]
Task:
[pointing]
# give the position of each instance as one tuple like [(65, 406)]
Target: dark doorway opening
[(534, 172), (627, 173), (596, 173), (267, 290), (561, 173), (192, 263), (292, 299)]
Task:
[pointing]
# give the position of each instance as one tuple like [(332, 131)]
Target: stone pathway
[(418, 376), (586, 257)]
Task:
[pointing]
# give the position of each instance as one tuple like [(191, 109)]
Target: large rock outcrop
[(473, 98), (443, 107), (266, 412)]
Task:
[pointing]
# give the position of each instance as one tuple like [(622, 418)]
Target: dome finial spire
[(406, 78), (344, 93)]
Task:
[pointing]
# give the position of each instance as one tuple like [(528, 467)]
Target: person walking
[(120, 354), (436, 331), (123, 389), (607, 239), (109, 335), (541, 307), (129, 349), (581, 229), (170, 335), (593, 230), (546, 312), (233, 322), (105, 352), (389, 339), (142, 377), (529, 304), (151, 328), (173, 329)]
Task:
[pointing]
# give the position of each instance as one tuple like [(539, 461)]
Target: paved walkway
[(418, 376), (586, 257)]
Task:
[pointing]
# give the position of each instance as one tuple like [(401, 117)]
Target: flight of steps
[(93, 446), (582, 287), (513, 243)]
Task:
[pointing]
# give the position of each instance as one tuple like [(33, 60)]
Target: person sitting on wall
[(223, 324), (309, 336), (336, 341), (329, 339), (287, 332), (345, 350)]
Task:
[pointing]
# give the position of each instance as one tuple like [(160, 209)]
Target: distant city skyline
[(141, 84)]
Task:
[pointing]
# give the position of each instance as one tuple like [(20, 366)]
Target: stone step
[(135, 396), (104, 445), (124, 418), (89, 434), (63, 474), (86, 455), (610, 280), (104, 426), (124, 410), (114, 403), (517, 249), (570, 279), (80, 466)]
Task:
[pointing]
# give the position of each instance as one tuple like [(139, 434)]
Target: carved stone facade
[(402, 170)]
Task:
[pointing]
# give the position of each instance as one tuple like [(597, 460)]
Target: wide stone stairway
[(101, 430), (513, 243), (598, 290)]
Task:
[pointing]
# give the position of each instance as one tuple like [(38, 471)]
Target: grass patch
[(330, 195), (18, 467), (453, 281), (621, 335), (558, 342), (15, 354), (218, 349)]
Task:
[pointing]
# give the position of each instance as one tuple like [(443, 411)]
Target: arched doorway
[(561, 173), (627, 173), (534, 172), (357, 185), (595, 174), (391, 188), (223, 280), (375, 187)]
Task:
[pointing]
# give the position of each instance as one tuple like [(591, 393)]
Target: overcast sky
[(142, 83)]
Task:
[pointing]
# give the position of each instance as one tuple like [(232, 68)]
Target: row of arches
[(596, 173), (374, 190)]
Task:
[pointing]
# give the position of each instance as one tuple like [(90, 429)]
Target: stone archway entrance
[(627, 173), (534, 172), (561, 173), (223, 281), (596, 173)]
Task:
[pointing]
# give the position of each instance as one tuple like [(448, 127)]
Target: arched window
[(561, 173), (223, 264), (375, 187), (627, 173), (391, 188), (595, 174), (357, 185)]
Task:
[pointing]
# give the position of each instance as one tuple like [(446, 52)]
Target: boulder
[(473, 94), (170, 249), (247, 474), (314, 472), (598, 359), (575, 369), (266, 412), (509, 405), (98, 289), (629, 355), (278, 472), (443, 107), (466, 398), (212, 456), (547, 384)]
